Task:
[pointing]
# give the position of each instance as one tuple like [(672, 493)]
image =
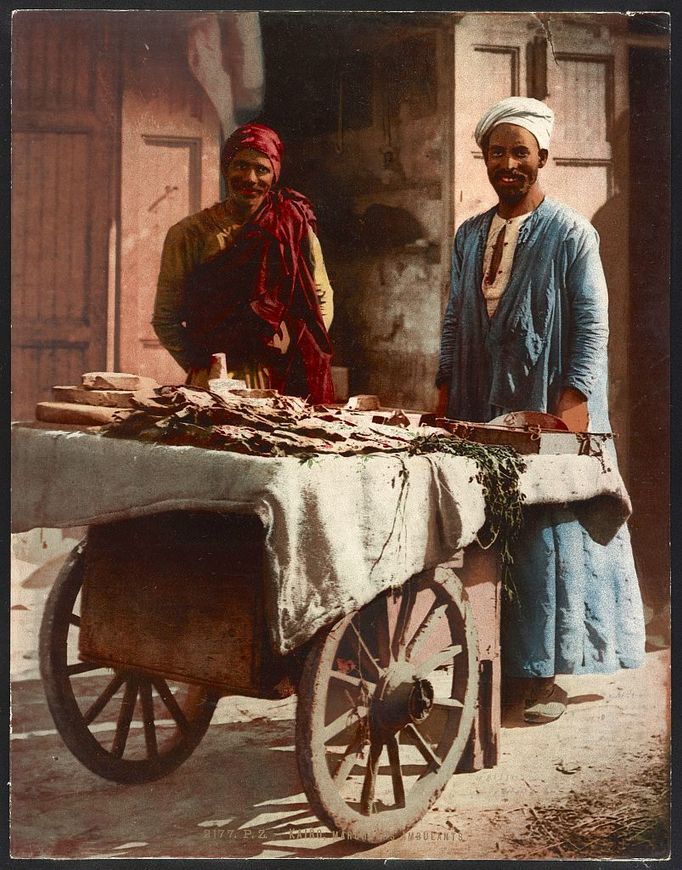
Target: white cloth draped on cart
[(338, 529)]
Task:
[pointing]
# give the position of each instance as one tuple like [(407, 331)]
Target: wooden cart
[(155, 618)]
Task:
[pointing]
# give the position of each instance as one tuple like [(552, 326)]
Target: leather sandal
[(547, 709)]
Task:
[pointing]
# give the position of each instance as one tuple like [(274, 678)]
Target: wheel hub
[(421, 700), (401, 698)]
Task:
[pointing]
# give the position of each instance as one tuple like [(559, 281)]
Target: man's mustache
[(513, 176)]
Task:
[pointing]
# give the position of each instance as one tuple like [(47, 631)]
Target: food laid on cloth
[(116, 381), (263, 423), (363, 403), (351, 504), (76, 414), (100, 398)]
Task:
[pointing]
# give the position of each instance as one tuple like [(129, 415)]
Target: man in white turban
[(526, 328)]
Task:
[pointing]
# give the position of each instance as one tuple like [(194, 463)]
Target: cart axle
[(401, 698)]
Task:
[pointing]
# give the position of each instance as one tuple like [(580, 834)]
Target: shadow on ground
[(239, 795)]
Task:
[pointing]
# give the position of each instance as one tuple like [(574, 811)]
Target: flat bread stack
[(100, 398)]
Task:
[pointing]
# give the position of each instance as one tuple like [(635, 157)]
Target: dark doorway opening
[(649, 318)]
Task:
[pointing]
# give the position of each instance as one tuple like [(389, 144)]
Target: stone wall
[(376, 177)]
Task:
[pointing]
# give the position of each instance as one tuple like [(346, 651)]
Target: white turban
[(526, 112)]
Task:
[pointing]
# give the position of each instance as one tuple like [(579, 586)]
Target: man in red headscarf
[(246, 278)]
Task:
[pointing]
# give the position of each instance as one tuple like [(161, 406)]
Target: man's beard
[(516, 192)]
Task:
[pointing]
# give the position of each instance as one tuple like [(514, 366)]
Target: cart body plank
[(176, 595)]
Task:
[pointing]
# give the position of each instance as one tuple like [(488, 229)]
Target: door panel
[(50, 231), (63, 128), (490, 64), (169, 169), (580, 169), (587, 195), (173, 167), (583, 85)]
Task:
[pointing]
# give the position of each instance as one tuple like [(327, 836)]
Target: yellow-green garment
[(191, 242)]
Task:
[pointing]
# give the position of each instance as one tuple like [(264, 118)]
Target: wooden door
[(503, 55), (169, 169), (582, 74), (64, 125)]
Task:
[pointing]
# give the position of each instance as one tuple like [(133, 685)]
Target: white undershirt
[(493, 292)]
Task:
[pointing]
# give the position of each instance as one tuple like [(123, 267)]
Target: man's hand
[(215, 370), (280, 340), (197, 377), (443, 399), (572, 409)]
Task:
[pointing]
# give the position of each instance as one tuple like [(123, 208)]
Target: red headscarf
[(259, 138)]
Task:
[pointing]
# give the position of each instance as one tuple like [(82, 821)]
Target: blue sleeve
[(451, 318), (588, 303)]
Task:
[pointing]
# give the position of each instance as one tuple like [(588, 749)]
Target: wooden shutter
[(63, 166)]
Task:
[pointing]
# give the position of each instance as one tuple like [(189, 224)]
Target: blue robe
[(579, 608)]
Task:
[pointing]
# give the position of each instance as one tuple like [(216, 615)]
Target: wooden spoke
[(381, 631), (396, 773), (421, 635), (354, 681), (370, 782), (77, 701), (82, 668), (173, 708), (345, 720), (341, 759), (438, 659), (125, 716), (363, 646), (427, 753), (97, 706), (346, 765), (148, 719), (402, 621), (352, 756)]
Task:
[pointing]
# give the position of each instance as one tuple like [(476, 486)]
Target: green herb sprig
[(498, 473)]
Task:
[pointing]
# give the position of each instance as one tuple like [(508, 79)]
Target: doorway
[(649, 317)]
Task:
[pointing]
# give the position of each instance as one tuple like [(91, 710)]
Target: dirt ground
[(594, 784)]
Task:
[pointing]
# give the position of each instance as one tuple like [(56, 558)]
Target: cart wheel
[(120, 724), (385, 708)]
